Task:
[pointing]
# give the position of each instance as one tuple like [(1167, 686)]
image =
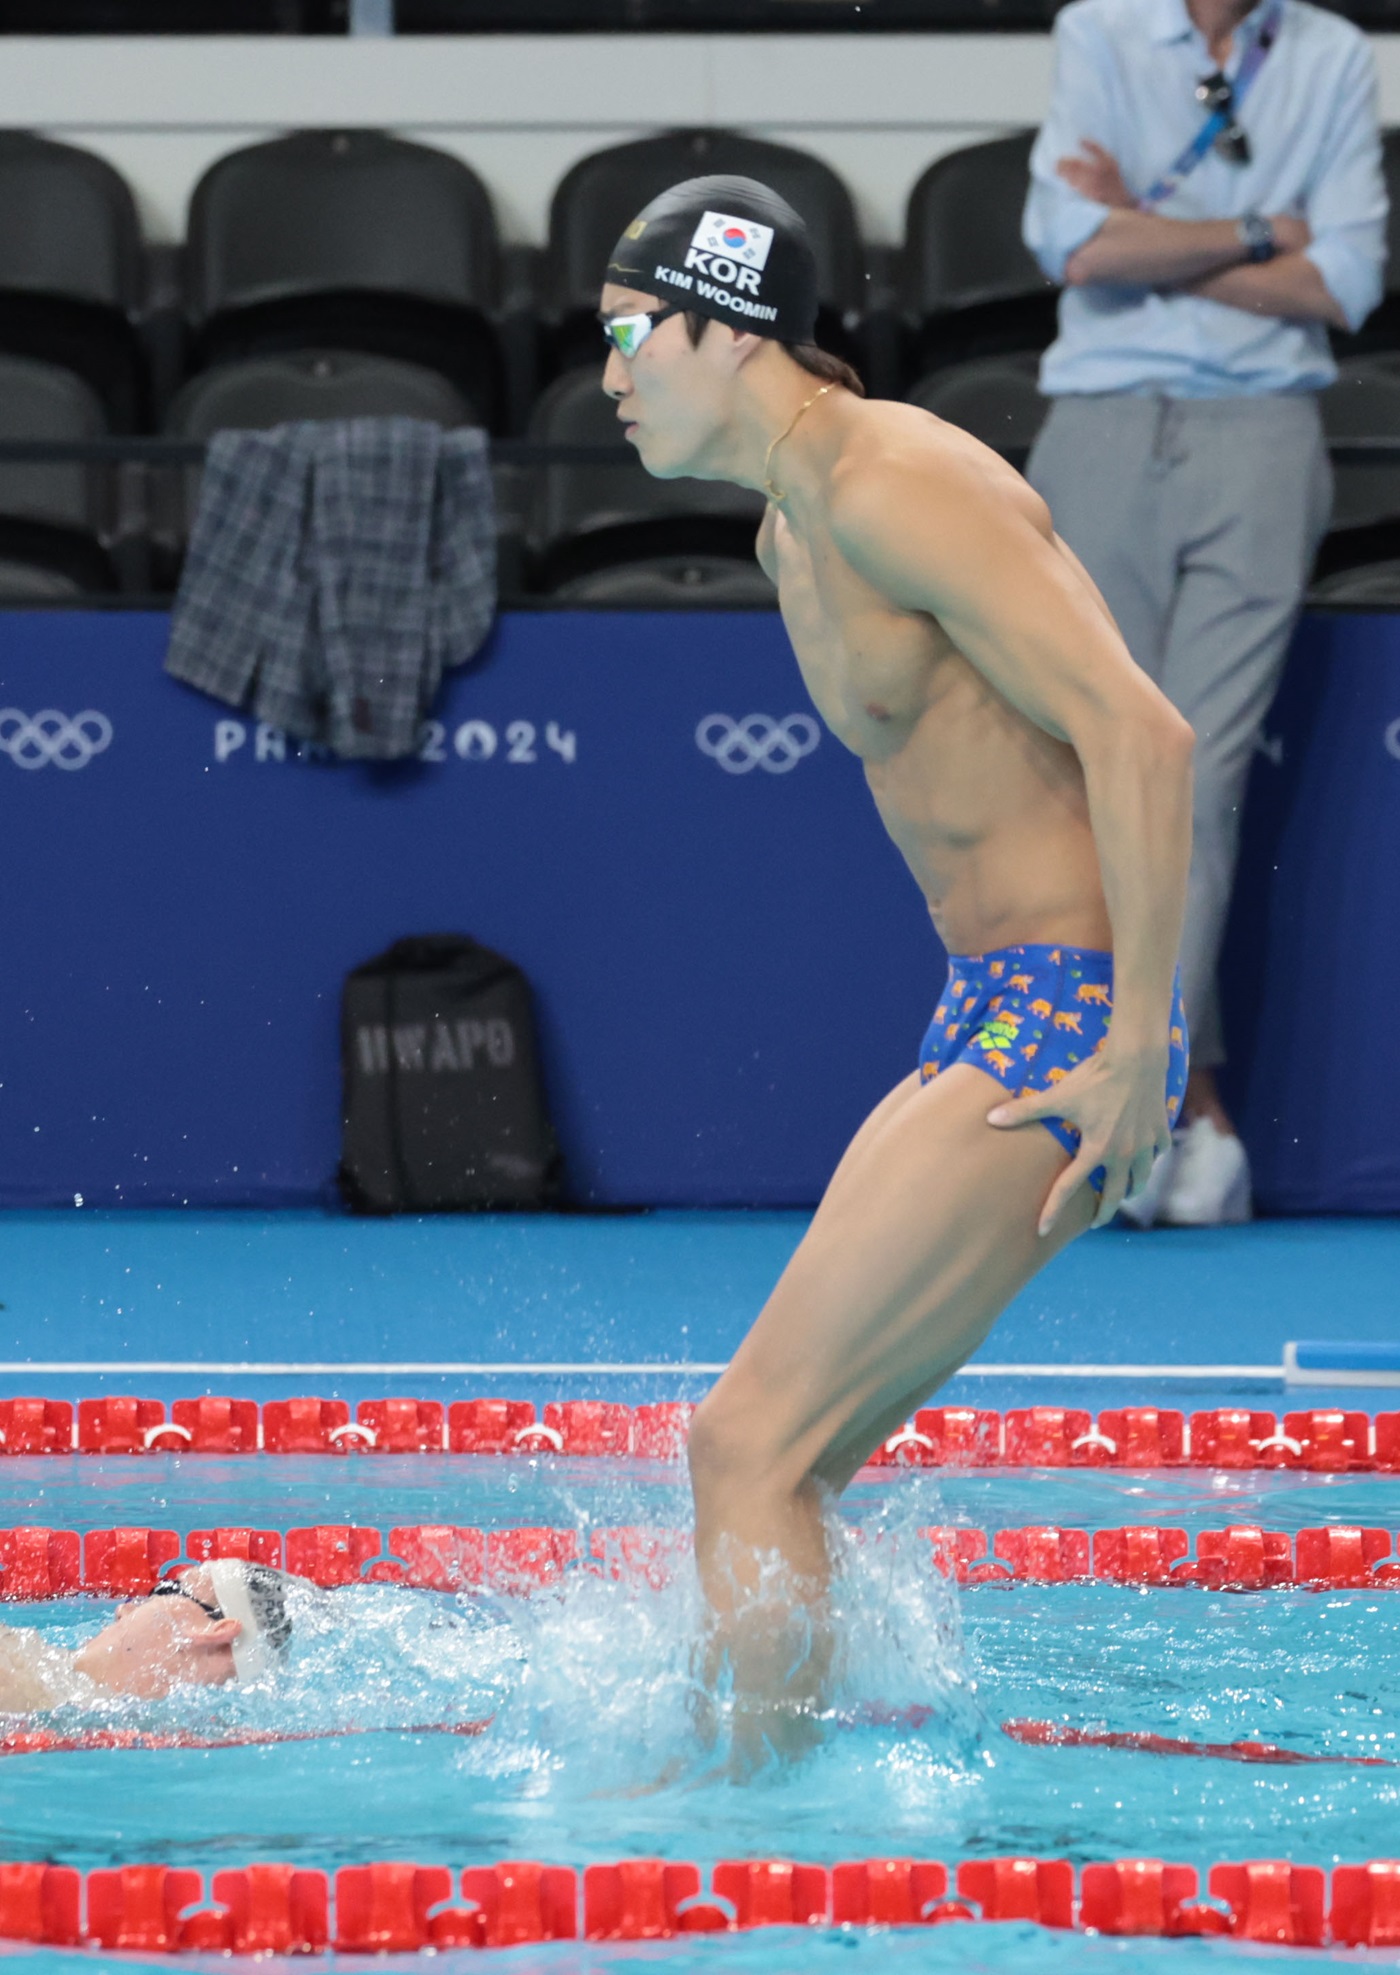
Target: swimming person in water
[(1038, 786), (214, 1623)]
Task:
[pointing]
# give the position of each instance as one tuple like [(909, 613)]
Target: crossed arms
[(1202, 257)]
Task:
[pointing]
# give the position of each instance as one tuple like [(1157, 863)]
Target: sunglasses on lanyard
[(1216, 95), (627, 333)]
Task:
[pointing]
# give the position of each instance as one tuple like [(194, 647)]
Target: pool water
[(592, 1753)]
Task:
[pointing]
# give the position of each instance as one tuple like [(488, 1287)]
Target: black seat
[(1364, 403), (997, 399), (52, 518), (71, 268), (1370, 586), (594, 201), (584, 518), (726, 16), (267, 391), (351, 240), (172, 17), (969, 286), (512, 16), (698, 582), (32, 582)]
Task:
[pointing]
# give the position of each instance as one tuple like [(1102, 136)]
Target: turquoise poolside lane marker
[(1341, 1363)]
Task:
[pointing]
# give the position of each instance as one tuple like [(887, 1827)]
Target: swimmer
[(212, 1624), (1038, 786)]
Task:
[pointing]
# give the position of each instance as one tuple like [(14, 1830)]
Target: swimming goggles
[(251, 1653), (627, 333), (170, 1589)]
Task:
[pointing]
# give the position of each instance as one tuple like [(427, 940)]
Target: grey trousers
[(1199, 520)]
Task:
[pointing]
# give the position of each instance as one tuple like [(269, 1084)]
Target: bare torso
[(988, 810)]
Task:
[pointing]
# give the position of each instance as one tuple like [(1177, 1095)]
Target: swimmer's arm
[(949, 537), (21, 1687)]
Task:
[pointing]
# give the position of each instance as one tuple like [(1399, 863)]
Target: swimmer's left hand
[(1118, 1107)]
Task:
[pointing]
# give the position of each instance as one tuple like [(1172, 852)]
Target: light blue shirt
[(1125, 75)]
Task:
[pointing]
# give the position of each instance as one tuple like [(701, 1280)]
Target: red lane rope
[(1053, 1735), (1036, 1734), (1322, 1439), (45, 1741), (38, 1563), (400, 1907)]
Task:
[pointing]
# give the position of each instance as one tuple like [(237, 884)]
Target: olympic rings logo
[(1392, 739), (51, 736), (756, 741)]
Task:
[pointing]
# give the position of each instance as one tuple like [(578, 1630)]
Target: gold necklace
[(776, 493)]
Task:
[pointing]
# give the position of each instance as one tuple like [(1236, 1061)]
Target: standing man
[(1037, 785), (1208, 188)]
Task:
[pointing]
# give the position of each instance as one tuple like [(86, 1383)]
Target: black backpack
[(442, 1102)]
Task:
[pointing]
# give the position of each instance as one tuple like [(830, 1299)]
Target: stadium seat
[(580, 519), (1359, 561), (172, 16), (724, 16), (699, 582), (71, 268), (995, 398), (313, 384), (352, 240), (969, 286), (266, 391), (594, 201), (52, 518), (31, 582), (507, 16)]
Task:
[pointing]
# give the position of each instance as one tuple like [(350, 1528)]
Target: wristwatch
[(1257, 237)]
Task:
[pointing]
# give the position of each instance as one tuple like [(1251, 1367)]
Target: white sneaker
[(1209, 1181), (1142, 1210)]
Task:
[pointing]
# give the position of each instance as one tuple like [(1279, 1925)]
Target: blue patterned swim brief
[(1027, 1014)]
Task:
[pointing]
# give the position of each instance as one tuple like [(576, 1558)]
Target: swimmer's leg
[(927, 1231)]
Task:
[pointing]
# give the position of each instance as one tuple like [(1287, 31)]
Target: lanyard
[(1186, 163)]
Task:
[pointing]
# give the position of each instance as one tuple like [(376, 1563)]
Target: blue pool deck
[(638, 1306)]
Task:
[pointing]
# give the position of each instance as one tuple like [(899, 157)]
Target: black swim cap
[(728, 248)]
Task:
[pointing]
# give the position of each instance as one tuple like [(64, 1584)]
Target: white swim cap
[(256, 1595)]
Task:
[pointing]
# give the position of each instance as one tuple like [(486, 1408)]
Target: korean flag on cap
[(743, 241)]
